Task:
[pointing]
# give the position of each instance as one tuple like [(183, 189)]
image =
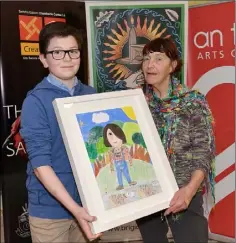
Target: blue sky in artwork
[(100, 118)]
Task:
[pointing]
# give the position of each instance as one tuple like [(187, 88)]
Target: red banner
[(211, 70)]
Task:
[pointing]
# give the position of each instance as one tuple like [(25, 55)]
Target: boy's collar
[(53, 79)]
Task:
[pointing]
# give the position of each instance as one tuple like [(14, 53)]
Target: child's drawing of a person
[(114, 137)]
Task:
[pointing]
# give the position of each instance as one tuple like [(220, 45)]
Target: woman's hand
[(181, 200), (184, 195), (84, 219)]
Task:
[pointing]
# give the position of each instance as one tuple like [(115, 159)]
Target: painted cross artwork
[(119, 33), (118, 156)]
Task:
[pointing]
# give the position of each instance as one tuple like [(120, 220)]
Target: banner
[(211, 69), (21, 70), (117, 33)]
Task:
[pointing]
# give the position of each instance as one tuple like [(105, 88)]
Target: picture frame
[(119, 179)]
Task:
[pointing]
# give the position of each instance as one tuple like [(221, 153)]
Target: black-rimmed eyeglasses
[(60, 54)]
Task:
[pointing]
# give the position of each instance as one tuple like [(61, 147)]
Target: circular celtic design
[(112, 43)]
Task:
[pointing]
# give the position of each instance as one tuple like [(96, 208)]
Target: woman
[(184, 123)]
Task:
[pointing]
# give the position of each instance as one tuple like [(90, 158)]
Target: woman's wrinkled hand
[(181, 200)]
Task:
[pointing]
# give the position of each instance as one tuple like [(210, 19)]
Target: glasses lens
[(58, 54), (74, 54)]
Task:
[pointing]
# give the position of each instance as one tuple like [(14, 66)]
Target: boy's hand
[(84, 219)]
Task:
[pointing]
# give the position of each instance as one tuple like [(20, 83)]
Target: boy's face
[(66, 68)]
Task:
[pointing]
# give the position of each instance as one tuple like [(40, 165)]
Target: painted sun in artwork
[(123, 48)]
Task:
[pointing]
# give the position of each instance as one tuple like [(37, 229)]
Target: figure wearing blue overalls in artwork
[(114, 137)]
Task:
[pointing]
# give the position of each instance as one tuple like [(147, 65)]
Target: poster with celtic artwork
[(117, 33)]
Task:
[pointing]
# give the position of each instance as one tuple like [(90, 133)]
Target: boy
[(54, 203)]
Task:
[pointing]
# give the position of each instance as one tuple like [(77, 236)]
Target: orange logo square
[(30, 27), (48, 20)]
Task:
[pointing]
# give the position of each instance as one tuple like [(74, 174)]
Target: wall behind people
[(21, 70)]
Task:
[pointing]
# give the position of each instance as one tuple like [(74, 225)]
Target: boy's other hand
[(84, 219)]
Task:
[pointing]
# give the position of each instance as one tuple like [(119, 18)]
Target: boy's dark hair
[(57, 29), (116, 130), (167, 46)]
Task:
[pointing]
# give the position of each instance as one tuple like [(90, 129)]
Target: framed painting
[(117, 33), (117, 158)]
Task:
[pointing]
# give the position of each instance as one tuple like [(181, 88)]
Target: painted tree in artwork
[(92, 151), (101, 148), (129, 129), (94, 146), (139, 148), (94, 134), (138, 139)]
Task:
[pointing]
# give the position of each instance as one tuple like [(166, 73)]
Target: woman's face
[(113, 139), (157, 67)]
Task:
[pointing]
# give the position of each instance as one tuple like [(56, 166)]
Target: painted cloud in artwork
[(100, 117)]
